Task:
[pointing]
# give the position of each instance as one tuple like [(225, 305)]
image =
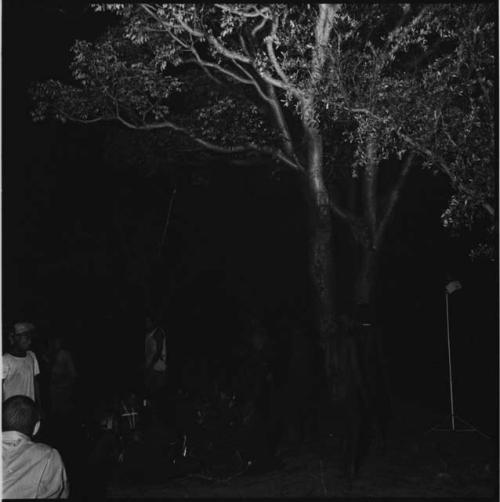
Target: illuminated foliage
[(393, 81)]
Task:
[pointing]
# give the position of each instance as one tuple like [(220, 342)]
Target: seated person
[(30, 470)]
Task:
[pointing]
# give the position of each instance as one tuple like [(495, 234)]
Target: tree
[(312, 87), (412, 84)]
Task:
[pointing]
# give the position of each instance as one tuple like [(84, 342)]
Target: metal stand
[(452, 416), (455, 418), (167, 221)]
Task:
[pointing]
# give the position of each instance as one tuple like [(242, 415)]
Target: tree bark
[(321, 245), (320, 220), (366, 276)]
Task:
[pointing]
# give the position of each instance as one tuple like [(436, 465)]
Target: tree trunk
[(374, 365), (366, 274), (321, 259), (320, 246), (320, 223)]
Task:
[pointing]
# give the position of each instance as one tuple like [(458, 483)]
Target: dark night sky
[(74, 230)]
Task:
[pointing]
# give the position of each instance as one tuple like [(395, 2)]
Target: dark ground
[(416, 463)]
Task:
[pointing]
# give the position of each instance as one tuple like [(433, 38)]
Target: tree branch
[(444, 166), (272, 56), (324, 26), (401, 20), (393, 199), (255, 13), (223, 70), (82, 121), (270, 80), (345, 215), (323, 29), (226, 52), (162, 22), (192, 31), (199, 62), (336, 64), (400, 33), (209, 145), (243, 45), (370, 185), (216, 44), (435, 158), (279, 116), (259, 27), (255, 83), (198, 34)]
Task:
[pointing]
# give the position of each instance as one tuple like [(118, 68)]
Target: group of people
[(31, 469), (277, 381), (279, 376), (272, 373)]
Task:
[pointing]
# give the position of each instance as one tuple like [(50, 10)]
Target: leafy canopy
[(245, 79)]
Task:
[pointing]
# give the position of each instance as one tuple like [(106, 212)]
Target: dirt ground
[(416, 462)]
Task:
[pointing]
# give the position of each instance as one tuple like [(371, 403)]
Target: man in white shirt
[(20, 366), (29, 469)]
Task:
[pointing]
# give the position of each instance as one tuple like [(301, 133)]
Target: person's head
[(19, 413), (56, 343), (21, 336)]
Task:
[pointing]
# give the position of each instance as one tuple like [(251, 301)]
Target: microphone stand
[(453, 418)]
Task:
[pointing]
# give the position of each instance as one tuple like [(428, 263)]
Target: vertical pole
[(449, 363), (164, 235)]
